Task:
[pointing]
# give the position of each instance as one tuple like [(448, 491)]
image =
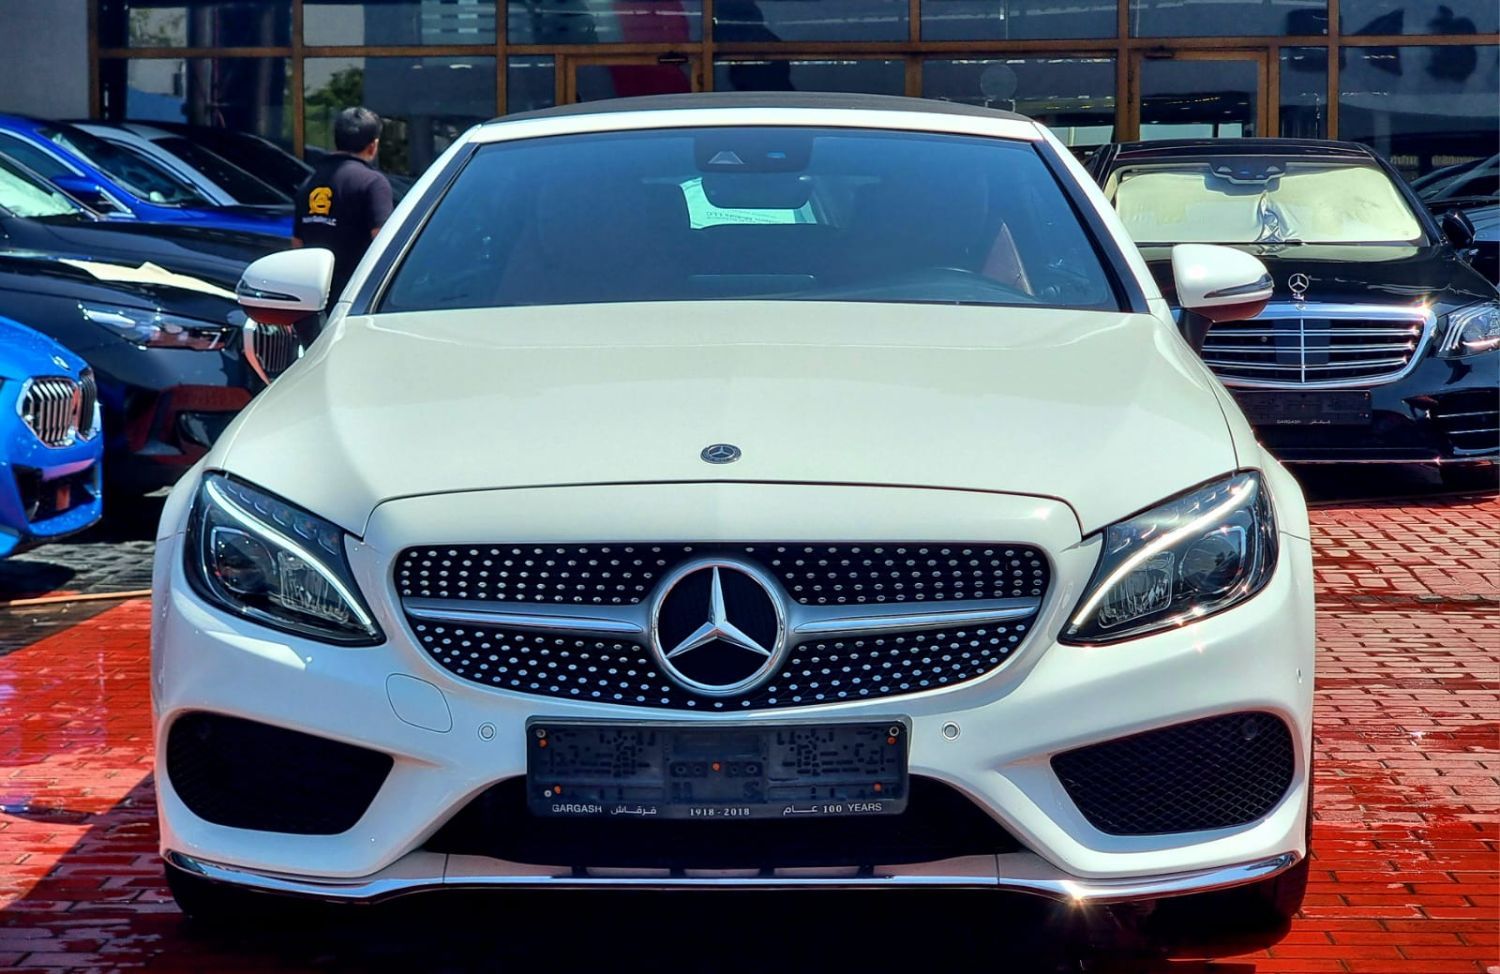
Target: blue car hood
[(25, 353)]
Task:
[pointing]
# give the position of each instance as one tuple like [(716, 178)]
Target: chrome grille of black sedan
[(1318, 346), (862, 620), (52, 407)]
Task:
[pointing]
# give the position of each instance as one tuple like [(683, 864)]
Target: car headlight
[(155, 329), (259, 557), (1196, 554), (1472, 330)]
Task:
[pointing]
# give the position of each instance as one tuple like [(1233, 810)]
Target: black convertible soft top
[(767, 99)]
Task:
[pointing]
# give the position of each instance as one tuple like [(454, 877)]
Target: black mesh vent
[(249, 775), (1207, 774), (939, 823), (622, 672), (813, 574)]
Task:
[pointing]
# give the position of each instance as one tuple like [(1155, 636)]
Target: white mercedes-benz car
[(740, 492)]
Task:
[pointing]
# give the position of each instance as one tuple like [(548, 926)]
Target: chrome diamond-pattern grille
[(624, 672), (487, 587), (50, 406), (1213, 773), (1309, 346), (813, 574)]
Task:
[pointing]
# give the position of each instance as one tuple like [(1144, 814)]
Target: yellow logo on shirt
[(320, 201)]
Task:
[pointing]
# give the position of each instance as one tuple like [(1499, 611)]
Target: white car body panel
[(814, 393), (858, 422)]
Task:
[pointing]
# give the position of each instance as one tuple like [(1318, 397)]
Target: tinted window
[(195, 23), (373, 22), (765, 213), (33, 158), (1256, 199), (604, 21), (244, 187), (1422, 107), (1014, 20), (132, 169), (1074, 97), (1208, 18)]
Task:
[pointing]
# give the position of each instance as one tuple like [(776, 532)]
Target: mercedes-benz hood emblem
[(718, 627), (720, 453)]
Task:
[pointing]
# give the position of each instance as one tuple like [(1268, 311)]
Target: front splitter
[(1019, 872)]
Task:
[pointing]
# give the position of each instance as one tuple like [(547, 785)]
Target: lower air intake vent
[(248, 775), (1207, 774), (1471, 420)]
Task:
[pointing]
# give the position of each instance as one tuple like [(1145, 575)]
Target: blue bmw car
[(125, 184), (50, 447)]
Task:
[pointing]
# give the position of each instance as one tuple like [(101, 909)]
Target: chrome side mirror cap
[(285, 287), (1220, 283)]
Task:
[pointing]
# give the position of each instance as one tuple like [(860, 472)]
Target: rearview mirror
[(283, 288), (1219, 283)]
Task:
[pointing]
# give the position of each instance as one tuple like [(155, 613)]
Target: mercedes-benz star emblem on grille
[(721, 453), (1299, 283), (718, 627)]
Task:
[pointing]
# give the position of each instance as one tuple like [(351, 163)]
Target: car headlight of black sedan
[(1472, 330)]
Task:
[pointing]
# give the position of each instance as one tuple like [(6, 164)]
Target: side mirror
[(1219, 283), (1458, 228), (86, 191), (283, 288)]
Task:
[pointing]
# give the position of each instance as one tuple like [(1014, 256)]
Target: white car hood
[(1107, 412)]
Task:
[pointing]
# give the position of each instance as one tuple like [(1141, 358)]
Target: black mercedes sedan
[(1381, 344), (152, 313)]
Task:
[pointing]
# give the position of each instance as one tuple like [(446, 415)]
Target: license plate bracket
[(1312, 408), (712, 772)]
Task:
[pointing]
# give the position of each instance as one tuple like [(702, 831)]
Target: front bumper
[(163, 408), (455, 739), (1447, 411), (46, 493)]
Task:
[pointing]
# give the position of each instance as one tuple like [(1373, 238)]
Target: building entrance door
[(1199, 94), (592, 77)]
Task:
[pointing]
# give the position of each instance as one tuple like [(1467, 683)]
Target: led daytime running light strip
[(1236, 499), (230, 507)]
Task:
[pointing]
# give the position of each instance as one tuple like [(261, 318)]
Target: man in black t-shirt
[(346, 200)]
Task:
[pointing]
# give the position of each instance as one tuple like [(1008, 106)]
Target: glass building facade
[(1415, 79)]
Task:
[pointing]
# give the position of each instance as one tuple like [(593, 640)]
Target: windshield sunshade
[(1246, 200)]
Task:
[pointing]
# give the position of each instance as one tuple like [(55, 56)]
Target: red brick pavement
[(1408, 778)]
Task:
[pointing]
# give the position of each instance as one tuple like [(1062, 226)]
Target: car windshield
[(1255, 199), (773, 213), (233, 180), (22, 194), (133, 170)]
